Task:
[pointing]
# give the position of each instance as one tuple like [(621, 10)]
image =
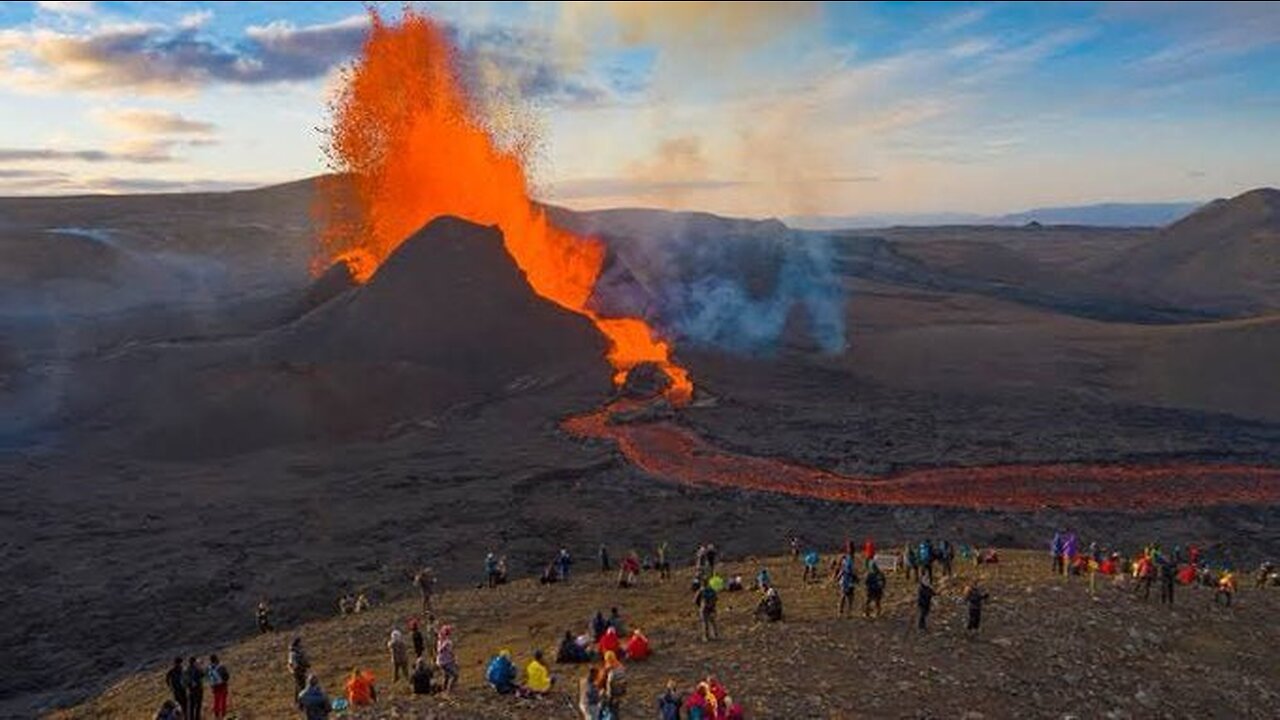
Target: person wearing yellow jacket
[(537, 678)]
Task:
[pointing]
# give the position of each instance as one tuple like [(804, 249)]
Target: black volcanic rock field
[(189, 421)]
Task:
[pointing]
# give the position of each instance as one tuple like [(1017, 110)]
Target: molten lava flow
[(678, 454), (413, 146)]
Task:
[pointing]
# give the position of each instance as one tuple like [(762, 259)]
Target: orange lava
[(414, 146), (678, 454)]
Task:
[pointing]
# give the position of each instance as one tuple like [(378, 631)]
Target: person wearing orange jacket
[(360, 688)]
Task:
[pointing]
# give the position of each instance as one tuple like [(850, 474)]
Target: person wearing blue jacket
[(501, 673)]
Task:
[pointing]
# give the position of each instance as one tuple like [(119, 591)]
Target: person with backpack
[(194, 678), (875, 590), (924, 603), (847, 580), (614, 687), (176, 679), (669, 702), (705, 599), (219, 679), (589, 695), (313, 701)]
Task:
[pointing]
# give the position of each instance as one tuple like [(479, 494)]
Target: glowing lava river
[(678, 454)]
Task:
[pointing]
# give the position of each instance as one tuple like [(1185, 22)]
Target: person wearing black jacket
[(974, 597), (924, 602), (176, 679), (195, 689)]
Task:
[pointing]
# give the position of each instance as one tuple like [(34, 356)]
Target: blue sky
[(761, 109)]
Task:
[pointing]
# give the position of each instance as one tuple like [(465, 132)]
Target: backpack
[(219, 675), (617, 683)]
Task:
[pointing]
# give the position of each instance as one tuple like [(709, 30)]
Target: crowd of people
[(608, 645)]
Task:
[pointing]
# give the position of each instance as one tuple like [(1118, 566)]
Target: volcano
[(448, 320)]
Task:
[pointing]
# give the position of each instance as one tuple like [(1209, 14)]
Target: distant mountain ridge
[(1096, 215)]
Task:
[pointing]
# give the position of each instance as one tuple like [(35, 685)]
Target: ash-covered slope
[(1225, 256), (447, 320)]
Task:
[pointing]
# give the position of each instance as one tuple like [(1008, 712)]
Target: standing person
[(299, 665), (912, 562), (706, 602), (1056, 548), (1146, 573), (847, 579), (425, 581), (313, 702), (711, 557), (219, 679), (491, 570), (669, 703), (195, 689), (446, 660), (795, 548), (811, 560), (875, 590), (563, 562), (926, 559), (1226, 588), (663, 566), (604, 559), (974, 597), (946, 556), (176, 679), (1168, 573), (589, 695), (419, 643), (264, 617), (399, 656), (924, 603)]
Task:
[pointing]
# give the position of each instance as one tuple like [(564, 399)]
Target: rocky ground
[(1049, 648)]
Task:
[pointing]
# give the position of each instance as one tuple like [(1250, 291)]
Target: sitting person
[(734, 584), (570, 651), (598, 625), (609, 642), (360, 688), (735, 711), (637, 646), (695, 704), (501, 673), (616, 622), (770, 606), (537, 678), (421, 677), (169, 710), (362, 603)]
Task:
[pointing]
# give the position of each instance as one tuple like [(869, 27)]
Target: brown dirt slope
[(1224, 255), (1048, 649)]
